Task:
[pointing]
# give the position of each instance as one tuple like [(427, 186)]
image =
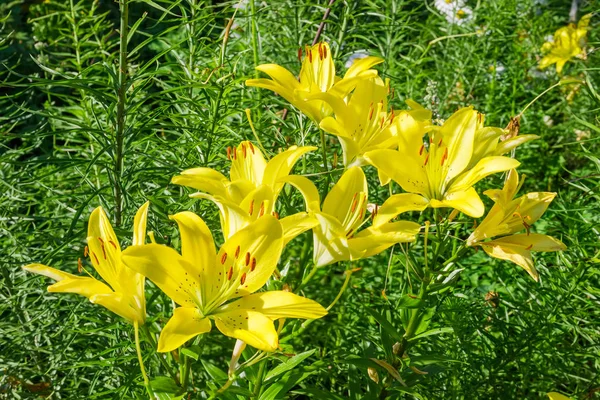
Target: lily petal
[(282, 164), (467, 201), (233, 217), (104, 248), (139, 224), (252, 327), (167, 269), (278, 304), (69, 283), (404, 167), (517, 248), (346, 201), (398, 204), (204, 179), (329, 241), (185, 324), (307, 189), (279, 74), (372, 241), (120, 304), (248, 164), (458, 131), (296, 224), (486, 166), (252, 255)]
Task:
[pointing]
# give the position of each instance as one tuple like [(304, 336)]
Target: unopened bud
[(373, 374), (396, 348)]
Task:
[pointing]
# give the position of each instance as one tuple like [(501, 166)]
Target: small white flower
[(455, 11), (548, 121)]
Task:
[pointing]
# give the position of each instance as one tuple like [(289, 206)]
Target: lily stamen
[(251, 211), (253, 266), (247, 259), (237, 252), (223, 258), (85, 251)]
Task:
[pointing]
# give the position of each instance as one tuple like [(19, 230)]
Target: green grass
[(58, 134)]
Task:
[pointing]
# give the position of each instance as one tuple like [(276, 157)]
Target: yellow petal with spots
[(249, 257), (252, 327), (185, 324), (278, 304), (168, 270)]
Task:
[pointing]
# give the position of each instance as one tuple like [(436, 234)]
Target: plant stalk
[(119, 139), (136, 330)]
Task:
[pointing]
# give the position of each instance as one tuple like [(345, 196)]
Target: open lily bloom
[(509, 216), (220, 286), (442, 163), (568, 42), (252, 189), (125, 295), (316, 76), (337, 237), (364, 123)]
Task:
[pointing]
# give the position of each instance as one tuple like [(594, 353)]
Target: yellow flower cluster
[(568, 42), (435, 165)]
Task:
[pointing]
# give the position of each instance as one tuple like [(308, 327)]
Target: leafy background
[(58, 85)]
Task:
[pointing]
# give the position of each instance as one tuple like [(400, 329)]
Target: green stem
[(307, 278), (254, 41), (185, 370), (136, 329), (342, 289), (259, 379), (413, 323), (119, 140), (325, 166), (161, 359)]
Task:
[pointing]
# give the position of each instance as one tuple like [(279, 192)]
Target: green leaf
[(214, 372), (289, 364), (164, 384), (409, 301), (385, 324), (191, 352), (432, 332)]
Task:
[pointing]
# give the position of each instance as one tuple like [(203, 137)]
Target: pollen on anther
[(275, 214), (85, 251), (228, 152), (309, 55), (95, 257), (324, 51), (251, 211), (253, 266), (250, 143), (237, 252), (529, 247), (230, 273), (354, 202), (113, 244), (261, 212), (79, 265), (300, 54), (426, 159), (223, 258), (243, 279), (421, 149), (247, 259)]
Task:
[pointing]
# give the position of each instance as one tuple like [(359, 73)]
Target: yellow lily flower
[(509, 216), (557, 396), (252, 189), (316, 76), (568, 42), (442, 163), (125, 295), (336, 238), (220, 286), (364, 123)]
